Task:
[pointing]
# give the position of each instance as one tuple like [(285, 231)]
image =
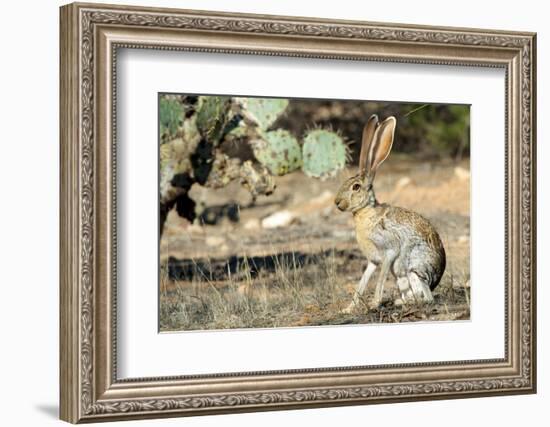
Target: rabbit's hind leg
[(405, 290), (360, 287), (420, 288)]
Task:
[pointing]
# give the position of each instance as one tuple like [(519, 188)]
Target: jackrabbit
[(396, 239)]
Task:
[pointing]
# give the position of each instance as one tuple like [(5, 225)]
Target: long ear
[(368, 134), (381, 145)]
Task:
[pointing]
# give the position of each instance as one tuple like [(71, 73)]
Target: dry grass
[(294, 291)]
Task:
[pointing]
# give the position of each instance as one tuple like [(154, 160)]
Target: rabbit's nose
[(342, 204)]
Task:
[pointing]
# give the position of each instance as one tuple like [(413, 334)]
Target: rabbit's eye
[(356, 187)]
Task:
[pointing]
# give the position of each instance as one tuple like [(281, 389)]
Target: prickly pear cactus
[(212, 115), (279, 151), (263, 111), (193, 129), (171, 114), (324, 153)]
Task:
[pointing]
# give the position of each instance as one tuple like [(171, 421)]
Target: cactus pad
[(170, 117), (212, 116), (264, 111), (324, 153), (279, 151)]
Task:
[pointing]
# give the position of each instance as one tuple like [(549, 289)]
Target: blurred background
[(424, 130)]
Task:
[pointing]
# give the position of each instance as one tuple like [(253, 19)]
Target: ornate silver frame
[(90, 36)]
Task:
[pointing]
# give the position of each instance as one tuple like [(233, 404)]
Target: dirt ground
[(292, 259)]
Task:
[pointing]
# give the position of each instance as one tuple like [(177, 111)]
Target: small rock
[(278, 219)]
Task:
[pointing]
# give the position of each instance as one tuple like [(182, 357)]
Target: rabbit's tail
[(438, 270)]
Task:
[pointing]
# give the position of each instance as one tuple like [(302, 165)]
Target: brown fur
[(367, 221)]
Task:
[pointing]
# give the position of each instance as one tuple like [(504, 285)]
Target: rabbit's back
[(421, 248)]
